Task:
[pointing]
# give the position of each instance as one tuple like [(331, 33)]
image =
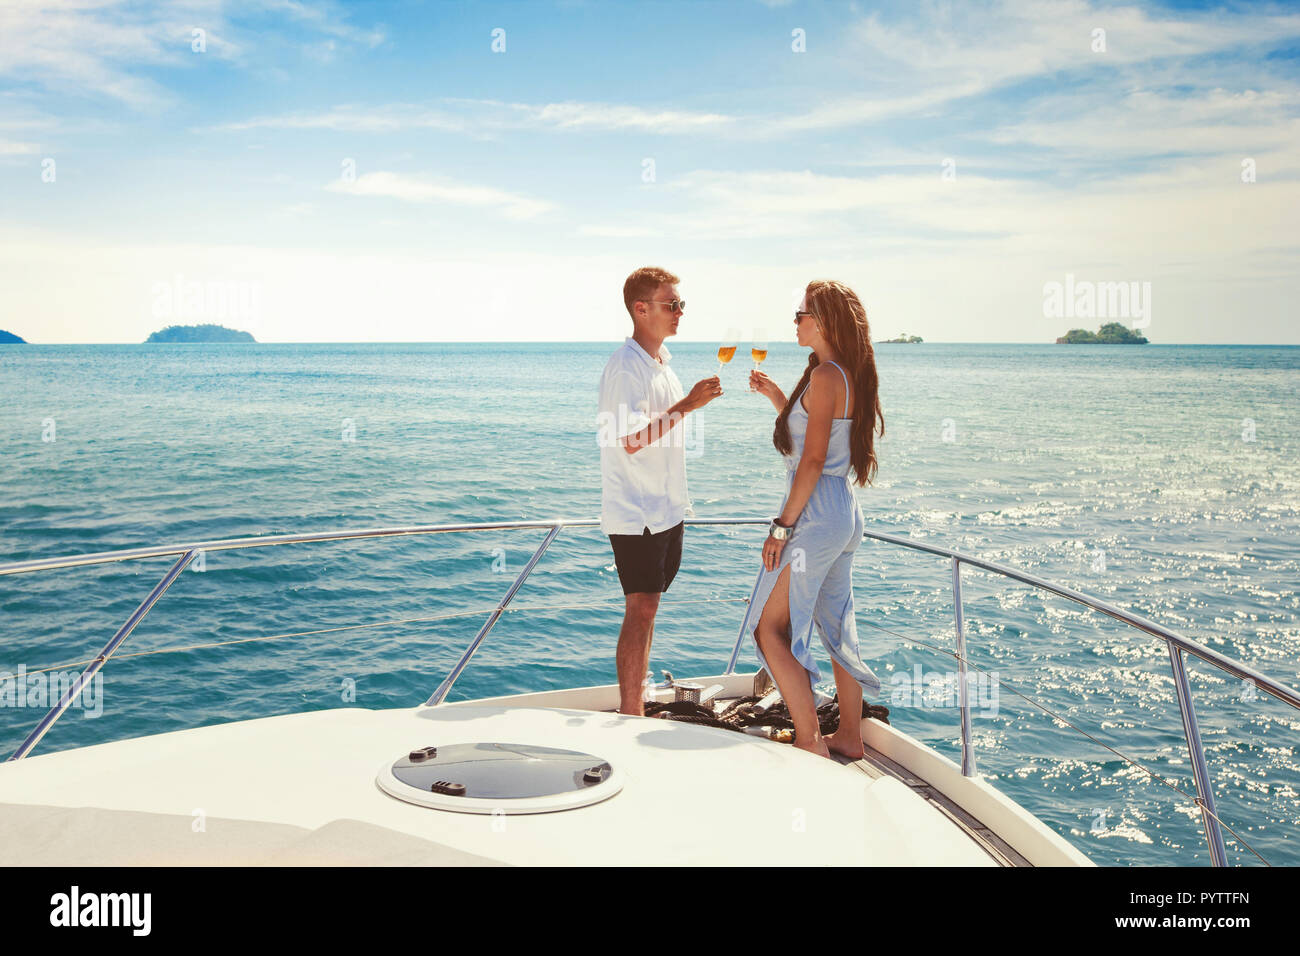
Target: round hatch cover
[(499, 778)]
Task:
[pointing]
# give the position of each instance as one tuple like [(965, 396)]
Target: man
[(643, 466)]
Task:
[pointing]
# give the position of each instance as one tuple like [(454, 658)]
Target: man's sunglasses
[(674, 305)]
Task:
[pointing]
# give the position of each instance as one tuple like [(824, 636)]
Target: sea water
[(1162, 479)]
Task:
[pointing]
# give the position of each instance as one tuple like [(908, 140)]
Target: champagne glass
[(727, 350), (758, 350)]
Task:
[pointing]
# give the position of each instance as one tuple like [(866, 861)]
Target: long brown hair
[(843, 322)]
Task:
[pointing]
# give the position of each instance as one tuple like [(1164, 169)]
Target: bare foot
[(846, 744), (817, 747)]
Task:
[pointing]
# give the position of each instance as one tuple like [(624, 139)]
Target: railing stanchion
[(963, 689), (744, 624), (1204, 790), (98, 663), (440, 694)]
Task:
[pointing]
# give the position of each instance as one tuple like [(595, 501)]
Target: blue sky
[(947, 161)]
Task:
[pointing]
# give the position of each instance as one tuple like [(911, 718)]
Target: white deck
[(301, 789)]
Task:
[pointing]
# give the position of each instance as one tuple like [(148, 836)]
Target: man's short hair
[(644, 283)]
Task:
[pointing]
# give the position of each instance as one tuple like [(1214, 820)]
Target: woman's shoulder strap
[(846, 388)]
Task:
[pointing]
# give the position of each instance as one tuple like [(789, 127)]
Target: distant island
[(1112, 333), (8, 338), (903, 339), (198, 333)]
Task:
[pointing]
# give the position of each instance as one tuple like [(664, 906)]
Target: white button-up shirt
[(646, 489)]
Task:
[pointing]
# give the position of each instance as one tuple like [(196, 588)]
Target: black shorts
[(647, 563)]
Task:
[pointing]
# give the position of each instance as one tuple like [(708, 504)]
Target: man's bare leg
[(633, 656)]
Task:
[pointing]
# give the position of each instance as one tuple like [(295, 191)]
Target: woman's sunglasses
[(799, 316)]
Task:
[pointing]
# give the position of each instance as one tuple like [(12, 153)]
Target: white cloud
[(619, 117), (427, 189), (618, 232), (10, 147), (354, 119), (327, 18), (943, 53), (93, 47), (966, 259), (483, 116), (918, 66), (991, 44), (1147, 122), (860, 110)]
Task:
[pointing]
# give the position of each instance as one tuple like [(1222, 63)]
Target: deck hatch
[(492, 777)]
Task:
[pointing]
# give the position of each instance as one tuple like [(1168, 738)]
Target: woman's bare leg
[(847, 739), (773, 637)]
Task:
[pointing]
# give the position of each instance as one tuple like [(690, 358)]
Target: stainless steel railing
[(1177, 645)]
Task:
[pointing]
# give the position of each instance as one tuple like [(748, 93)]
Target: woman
[(826, 427)]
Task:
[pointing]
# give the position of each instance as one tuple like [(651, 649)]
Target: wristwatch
[(779, 531)]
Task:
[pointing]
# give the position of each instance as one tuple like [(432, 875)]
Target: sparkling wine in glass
[(727, 350), (758, 350)]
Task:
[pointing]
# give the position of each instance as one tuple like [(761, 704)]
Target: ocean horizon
[(670, 341)]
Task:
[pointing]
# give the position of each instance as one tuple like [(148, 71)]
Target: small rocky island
[(1112, 333), (198, 333), (8, 338), (903, 339)]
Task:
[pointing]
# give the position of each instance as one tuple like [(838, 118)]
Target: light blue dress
[(825, 537)]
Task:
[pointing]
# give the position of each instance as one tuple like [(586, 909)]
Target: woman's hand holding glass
[(761, 383)]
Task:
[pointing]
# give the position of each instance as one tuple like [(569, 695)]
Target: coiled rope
[(740, 714)]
